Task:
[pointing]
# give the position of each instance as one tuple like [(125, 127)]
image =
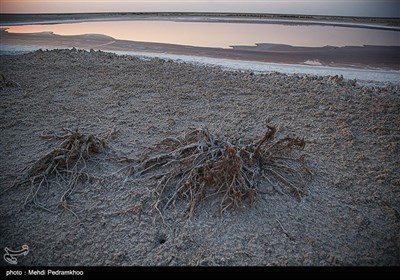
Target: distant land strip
[(10, 19)]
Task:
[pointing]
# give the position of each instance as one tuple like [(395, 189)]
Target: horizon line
[(199, 13)]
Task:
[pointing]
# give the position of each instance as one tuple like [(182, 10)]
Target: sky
[(376, 8)]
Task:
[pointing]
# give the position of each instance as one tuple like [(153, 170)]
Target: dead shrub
[(199, 165), (65, 164)]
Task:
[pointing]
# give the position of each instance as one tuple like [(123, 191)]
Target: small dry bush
[(199, 165), (64, 165)]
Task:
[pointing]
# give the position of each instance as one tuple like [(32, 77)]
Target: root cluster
[(199, 165), (195, 166), (65, 164)]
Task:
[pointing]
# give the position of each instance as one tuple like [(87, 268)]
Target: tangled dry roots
[(66, 163), (199, 165)]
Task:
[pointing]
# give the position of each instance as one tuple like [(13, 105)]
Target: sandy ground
[(349, 216)]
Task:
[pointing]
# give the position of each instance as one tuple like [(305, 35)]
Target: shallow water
[(222, 34), (366, 76)]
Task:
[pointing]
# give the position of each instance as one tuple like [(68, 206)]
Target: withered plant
[(199, 165)]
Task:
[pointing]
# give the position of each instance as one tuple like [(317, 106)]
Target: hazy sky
[(379, 8)]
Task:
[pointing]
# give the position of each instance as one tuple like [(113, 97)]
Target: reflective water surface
[(222, 34)]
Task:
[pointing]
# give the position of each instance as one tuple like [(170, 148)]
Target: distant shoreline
[(370, 57), (362, 57), (365, 22)]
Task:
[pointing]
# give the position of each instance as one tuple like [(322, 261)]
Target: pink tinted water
[(223, 35)]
